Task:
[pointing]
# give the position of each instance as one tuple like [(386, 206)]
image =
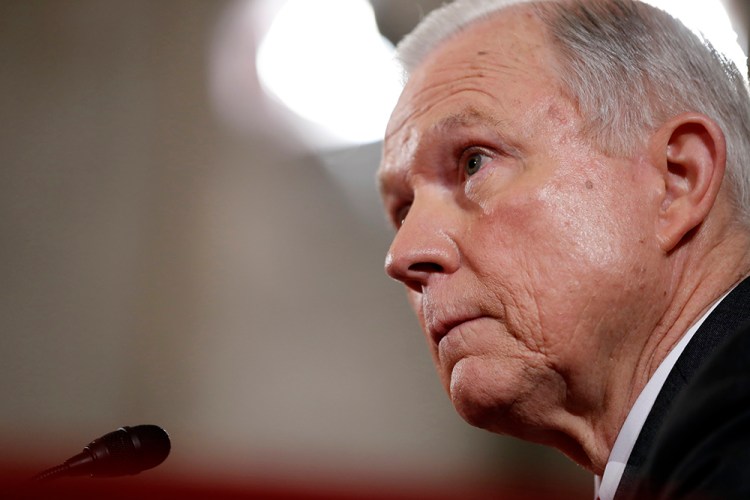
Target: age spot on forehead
[(556, 114)]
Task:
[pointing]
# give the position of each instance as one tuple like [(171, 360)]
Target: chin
[(506, 398), (479, 398), (490, 418)]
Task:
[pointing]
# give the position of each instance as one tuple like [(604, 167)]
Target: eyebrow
[(467, 117)]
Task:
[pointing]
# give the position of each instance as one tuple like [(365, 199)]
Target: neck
[(701, 273)]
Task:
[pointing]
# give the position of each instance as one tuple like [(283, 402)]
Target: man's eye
[(473, 163)]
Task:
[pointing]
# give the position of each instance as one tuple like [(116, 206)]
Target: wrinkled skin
[(529, 256)]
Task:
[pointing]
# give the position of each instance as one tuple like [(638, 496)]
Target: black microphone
[(126, 451)]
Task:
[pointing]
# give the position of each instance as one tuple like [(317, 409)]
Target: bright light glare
[(326, 61), (710, 18)]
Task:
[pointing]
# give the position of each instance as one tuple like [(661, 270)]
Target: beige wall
[(158, 269)]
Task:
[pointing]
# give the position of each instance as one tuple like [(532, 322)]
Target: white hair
[(441, 24), (628, 66)]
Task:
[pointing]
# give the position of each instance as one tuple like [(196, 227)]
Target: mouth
[(440, 327)]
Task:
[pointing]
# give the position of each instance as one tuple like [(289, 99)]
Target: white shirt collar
[(606, 485)]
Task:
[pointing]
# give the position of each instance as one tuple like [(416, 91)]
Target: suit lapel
[(726, 318)]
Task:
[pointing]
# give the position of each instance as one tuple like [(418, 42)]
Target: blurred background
[(191, 237)]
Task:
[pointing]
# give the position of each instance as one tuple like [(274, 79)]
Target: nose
[(424, 245)]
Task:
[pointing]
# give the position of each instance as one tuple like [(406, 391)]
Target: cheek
[(560, 256), (509, 252), (599, 275), (592, 220)]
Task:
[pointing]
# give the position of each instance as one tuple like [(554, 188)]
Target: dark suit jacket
[(695, 443)]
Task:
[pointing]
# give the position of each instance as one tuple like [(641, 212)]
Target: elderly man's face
[(528, 255)]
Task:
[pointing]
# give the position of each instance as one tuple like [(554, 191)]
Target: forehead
[(487, 73)]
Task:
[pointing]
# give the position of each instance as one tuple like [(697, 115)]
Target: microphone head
[(128, 450)]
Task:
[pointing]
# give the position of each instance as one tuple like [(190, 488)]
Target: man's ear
[(690, 151)]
